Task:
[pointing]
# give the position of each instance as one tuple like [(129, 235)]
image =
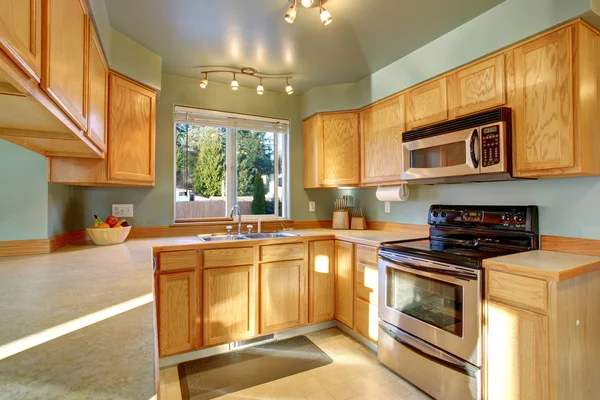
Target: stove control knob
[(443, 214), (516, 217), (504, 217), (435, 213), (520, 217)]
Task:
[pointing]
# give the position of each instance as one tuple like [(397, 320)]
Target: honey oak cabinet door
[(344, 283), (381, 128), (20, 34), (480, 86), (339, 150), (544, 103), (311, 129), (229, 304), (283, 295), (98, 93), (321, 280), (367, 321), (131, 124), (427, 104), (517, 354), (178, 319), (65, 49)]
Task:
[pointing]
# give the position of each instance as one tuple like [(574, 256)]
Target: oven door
[(436, 302), (444, 155)]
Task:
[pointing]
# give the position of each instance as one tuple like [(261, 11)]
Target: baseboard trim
[(590, 247), (15, 248), (362, 340)]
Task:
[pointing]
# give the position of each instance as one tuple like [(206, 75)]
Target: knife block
[(341, 220), (358, 223)]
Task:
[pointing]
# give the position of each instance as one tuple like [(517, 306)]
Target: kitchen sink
[(262, 235)]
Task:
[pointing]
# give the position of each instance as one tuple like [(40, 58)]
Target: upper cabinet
[(480, 86), (427, 104), (21, 34), (98, 93), (65, 48), (331, 150), (555, 103), (381, 128)]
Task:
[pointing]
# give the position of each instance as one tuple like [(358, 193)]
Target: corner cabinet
[(331, 150), (381, 128), (130, 154), (555, 125), (21, 34), (321, 279), (65, 48)]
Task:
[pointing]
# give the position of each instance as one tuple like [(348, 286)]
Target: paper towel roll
[(392, 193)]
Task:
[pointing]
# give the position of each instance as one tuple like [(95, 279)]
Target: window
[(226, 159)]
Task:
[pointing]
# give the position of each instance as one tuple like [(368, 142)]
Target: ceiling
[(365, 36)]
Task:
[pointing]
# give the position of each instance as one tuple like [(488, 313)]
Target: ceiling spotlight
[(289, 89), (290, 15), (260, 89), (307, 3), (204, 81), (234, 84), (325, 16)]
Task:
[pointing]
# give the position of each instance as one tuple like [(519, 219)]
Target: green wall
[(154, 207)]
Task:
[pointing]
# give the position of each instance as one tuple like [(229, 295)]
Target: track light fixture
[(249, 72), (290, 15)]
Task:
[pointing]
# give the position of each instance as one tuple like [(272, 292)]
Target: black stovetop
[(467, 235)]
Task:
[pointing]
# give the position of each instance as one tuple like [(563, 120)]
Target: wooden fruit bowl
[(108, 236)]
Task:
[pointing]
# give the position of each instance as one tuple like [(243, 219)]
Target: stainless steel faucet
[(239, 215)]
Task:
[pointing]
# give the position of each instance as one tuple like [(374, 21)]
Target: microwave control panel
[(490, 145)]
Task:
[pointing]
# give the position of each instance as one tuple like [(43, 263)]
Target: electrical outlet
[(311, 206), (122, 210), (387, 206)]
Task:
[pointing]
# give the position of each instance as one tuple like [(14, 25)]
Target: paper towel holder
[(393, 193)]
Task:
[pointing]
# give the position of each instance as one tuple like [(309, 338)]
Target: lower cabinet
[(366, 319), (177, 312), (229, 304), (283, 295), (517, 355), (344, 283), (321, 280), (366, 322)]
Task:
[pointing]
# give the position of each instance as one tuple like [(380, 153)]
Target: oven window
[(429, 300), (446, 155)]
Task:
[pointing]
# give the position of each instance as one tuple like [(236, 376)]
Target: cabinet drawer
[(366, 254), (282, 252), (366, 323), (366, 283), (228, 257), (529, 293), (177, 260)]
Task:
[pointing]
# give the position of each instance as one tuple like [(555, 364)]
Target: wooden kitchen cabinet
[(311, 132), (344, 283), (480, 86), (381, 128), (178, 317), (283, 295), (65, 48), (366, 279), (229, 304), (21, 34), (98, 92), (427, 104), (131, 134), (555, 117), (367, 321), (321, 281)]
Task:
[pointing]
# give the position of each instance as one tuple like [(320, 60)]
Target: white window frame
[(231, 170)]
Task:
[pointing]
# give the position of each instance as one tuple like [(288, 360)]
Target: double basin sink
[(262, 235)]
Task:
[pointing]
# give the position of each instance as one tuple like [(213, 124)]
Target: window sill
[(227, 221)]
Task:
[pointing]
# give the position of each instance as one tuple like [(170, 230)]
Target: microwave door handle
[(475, 152), (427, 351)]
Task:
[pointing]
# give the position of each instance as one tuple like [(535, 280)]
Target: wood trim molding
[(397, 227), (590, 247), (14, 248)]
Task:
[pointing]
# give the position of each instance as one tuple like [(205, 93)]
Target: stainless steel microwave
[(470, 149)]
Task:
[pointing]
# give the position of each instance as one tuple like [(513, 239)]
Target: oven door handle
[(427, 351), (454, 274)]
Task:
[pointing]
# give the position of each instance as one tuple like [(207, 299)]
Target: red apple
[(112, 221)]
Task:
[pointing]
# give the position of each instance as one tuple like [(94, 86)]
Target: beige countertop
[(78, 323), (544, 264)]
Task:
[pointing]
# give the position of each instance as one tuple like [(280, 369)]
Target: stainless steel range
[(431, 295)]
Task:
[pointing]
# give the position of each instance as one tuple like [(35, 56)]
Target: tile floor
[(354, 374)]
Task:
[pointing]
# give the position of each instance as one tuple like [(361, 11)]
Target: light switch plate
[(387, 206), (122, 210), (311, 206)]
